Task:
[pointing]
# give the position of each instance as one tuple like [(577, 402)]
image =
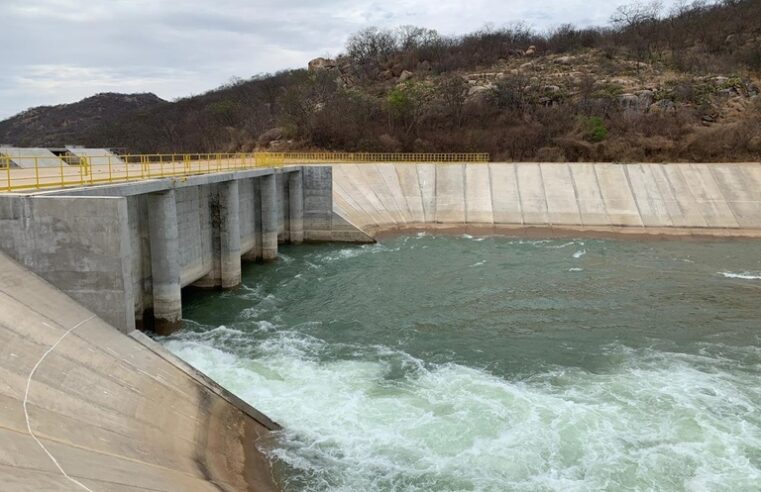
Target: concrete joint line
[(575, 193), (544, 194), (26, 400), (491, 192), (518, 191), (465, 190), (420, 189), (599, 191), (633, 195), (661, 194), (724, 200)]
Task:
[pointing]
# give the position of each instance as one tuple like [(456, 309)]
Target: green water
[(458, 363)]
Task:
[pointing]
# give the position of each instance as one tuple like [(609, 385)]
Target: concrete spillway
[(29, 158), (85, 407), (720, 199), (96, 157)]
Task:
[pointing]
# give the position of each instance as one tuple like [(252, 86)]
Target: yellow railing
[(61, 171), (366, 157)]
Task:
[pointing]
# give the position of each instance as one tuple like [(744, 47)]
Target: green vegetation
[(595, 129)]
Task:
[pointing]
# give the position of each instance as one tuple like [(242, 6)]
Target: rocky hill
[(652, 86), (49, 126)]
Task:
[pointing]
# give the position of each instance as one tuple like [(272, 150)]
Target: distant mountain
[(53, 126)]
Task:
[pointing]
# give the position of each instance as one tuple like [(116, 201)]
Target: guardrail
[(68, 170)]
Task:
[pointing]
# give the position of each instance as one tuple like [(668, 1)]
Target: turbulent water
[(458, 363)]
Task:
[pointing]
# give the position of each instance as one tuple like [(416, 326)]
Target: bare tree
[(371, 45), (637, 23)]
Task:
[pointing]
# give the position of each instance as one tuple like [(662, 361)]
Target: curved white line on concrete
[(26, 397)]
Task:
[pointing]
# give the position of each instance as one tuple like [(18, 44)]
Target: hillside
[(652, 86), (48, 126)]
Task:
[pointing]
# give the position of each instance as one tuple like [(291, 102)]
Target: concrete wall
[(715, 199), (116, 412), (320, 221), (82, 244)]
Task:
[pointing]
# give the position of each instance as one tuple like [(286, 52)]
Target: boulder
[(628, 101), (405, 75), (424, 66), (478, 93), (531, 51), (320, 64), (720, 80), (564, 60), (270, 136), (646, 98), (663, 106)]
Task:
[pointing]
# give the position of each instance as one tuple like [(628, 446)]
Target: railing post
[(8, 171), (37, 172)]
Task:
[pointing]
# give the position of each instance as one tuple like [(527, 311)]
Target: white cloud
[(57, 51)]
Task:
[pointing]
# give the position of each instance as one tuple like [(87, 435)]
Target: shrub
[(595, 130)]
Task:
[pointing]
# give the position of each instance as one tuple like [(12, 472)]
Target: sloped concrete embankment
[(684, 199), (85, 407)]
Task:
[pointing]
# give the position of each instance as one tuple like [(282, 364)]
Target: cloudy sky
[(57, 51)]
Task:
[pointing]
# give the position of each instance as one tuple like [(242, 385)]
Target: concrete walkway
[(84, 407), (712, 199)]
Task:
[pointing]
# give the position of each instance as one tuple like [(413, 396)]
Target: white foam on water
[(743, 275), (562, 245), (654, 421), (575, 269), (354, 252), (580, 253), (478, 264)]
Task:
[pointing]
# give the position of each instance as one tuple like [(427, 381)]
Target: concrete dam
[(90, 403)]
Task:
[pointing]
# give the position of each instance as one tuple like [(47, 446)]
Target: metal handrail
[(69, 170)]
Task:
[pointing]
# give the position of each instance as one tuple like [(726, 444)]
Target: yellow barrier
[(69, 170)]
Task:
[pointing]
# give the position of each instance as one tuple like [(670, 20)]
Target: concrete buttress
[(269, 209), (296, 207), (165, 265)]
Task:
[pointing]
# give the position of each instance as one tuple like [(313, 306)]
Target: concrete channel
[(88, 402)]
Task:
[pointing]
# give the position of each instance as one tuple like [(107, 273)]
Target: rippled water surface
[(438, 363)]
